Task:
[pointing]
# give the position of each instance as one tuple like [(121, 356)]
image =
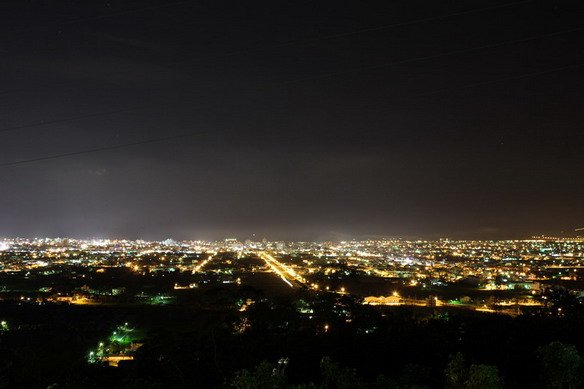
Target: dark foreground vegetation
[(243, 339)]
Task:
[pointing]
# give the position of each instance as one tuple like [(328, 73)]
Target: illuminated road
[(114, 360), (286, 273), (204, 263)]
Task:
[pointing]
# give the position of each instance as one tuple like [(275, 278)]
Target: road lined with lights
[(203, 264), (286, 273)]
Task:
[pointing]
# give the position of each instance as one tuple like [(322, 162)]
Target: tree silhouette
[(483, 377), (337, 377), (560, 363), (458, 375), (265, 376), (456, 371)]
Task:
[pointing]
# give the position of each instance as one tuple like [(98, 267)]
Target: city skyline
[(337, 237)]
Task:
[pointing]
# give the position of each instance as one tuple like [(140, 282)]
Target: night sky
[(291, 119)]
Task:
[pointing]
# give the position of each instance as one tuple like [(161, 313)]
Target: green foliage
[(335, 376), (458, 375), (456, 371), (483, 377), (383, 382), (559, 364), (265, 376)]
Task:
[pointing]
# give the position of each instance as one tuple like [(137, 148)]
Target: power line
[(73, 118), (432, 56), (312, 78), (96, 150), (185, 135), (333, 36), (406, 23), (365, 30), (511, 78)]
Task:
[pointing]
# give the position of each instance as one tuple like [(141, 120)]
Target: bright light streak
[(286, 281), (280, 269)]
